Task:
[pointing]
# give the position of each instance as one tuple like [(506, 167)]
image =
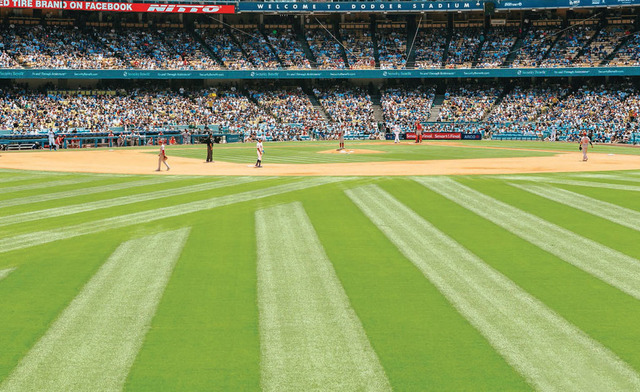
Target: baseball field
[(518, 271)]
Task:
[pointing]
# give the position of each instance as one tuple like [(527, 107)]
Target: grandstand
[(432, 53)]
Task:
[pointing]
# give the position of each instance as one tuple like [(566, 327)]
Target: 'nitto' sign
[(119, 7)]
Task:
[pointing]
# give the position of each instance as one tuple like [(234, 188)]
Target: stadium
[(319, 196)]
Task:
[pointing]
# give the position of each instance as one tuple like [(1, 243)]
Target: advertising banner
[(118, 7), (361, 6), (435, 136), (421, 6), (31, 73)]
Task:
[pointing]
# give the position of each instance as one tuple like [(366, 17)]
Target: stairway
[(513, 52), (378, 114), (302, 39), (271, 49), (316, 105), (445, 55), (621, 45), (435, 108), (586, 45), (206, 47), (343, 52), (374, 41)]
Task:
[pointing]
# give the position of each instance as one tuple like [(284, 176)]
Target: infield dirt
[(141, 162)]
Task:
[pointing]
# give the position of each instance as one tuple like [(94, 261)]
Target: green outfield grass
[(311, 152), (492, 283)]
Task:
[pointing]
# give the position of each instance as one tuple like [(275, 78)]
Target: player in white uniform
[(52, 139), (584, 144), (162, 156), (260, 151), (396, 132)]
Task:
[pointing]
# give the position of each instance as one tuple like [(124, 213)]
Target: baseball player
[(418, 132), (396, 132), (584, 144), (260, 151), (209, 141), (52, 139), (162, 156), (341, 138)]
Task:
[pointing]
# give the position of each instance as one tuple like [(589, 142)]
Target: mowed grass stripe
[(614, 213), (5, 272), (550, 352), (592, 184), (5, 179), (422, 342), (46, 184), (22, 241), (311, 338), (83, 191), (93, 343), (615, 177), (609, 265), (120, 201), (204, 336)]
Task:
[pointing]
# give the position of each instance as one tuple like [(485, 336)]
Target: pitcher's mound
[(351, 151)]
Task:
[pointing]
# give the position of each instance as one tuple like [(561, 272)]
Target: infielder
[(396, 132), (584, 144), (162, 156), (260, 151), (52, 139)]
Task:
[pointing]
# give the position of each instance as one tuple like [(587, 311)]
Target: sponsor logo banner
[(435, 136), (22, 73), (420, 6), (373, 6), (120, 7)]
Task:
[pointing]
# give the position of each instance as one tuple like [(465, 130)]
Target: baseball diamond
[(511, 277)]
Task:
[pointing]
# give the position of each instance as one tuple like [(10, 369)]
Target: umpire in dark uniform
[(209, 142)]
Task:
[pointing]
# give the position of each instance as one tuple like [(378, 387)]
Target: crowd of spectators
[(256, 47), (496, 46), (534, 47), (429, 48), (590, 107), (609, 112), (403, 107), (189, 50), (288, 49), (288, 106), (467, 104), (225, 48), (174, 48), (57, 47), (350, 109), (27, 110), (526, 104), (143, 49), (601, 47), (359, 48), (325, 49), (629, 54), (392, 49), (463, 47), (568, 46)]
